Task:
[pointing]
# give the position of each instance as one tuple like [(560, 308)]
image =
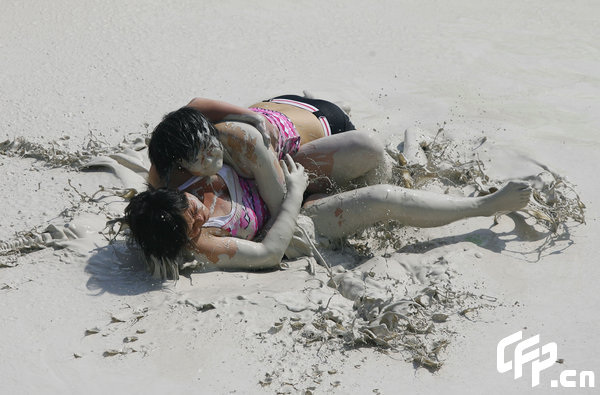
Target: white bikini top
[(248, 212)]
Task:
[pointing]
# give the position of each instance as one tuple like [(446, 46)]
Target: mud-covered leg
[(341, 158), (345, 213)]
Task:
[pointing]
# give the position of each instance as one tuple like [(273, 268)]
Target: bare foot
[(511, 197), (413, 153), (308, 94)]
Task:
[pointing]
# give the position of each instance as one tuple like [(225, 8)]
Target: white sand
[(526, 76)]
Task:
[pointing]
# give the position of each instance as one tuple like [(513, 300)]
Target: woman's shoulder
[(238, 133), (240, 142)]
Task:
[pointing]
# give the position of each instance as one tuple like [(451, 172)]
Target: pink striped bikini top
[(248, 211), (289, 138)]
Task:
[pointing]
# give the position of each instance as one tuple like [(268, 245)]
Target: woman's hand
[(296, 178)]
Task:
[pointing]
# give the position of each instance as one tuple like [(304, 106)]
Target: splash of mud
[(441, 165), (397, 305), (77, 221), (56, 154)]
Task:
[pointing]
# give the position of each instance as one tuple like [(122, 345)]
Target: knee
[(375, 159), (376, 147), (372, 147)]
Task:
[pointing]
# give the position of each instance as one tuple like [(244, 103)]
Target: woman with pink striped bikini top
[(248, 212)]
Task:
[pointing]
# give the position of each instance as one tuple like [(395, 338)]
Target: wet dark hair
[(157, 224), (181, 135)]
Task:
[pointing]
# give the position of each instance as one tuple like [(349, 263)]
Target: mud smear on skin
[(237, 143)]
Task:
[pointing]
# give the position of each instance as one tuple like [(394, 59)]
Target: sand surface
[(508, 81)]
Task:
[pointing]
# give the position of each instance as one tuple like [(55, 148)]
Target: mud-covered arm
[(220, 111), (232, 253), (254, 160)]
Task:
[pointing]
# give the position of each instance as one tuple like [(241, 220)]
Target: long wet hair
[(155, 218), (180, 136)]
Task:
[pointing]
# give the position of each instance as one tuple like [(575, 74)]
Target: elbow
[(270, 258), (194, 101), (203, 104)]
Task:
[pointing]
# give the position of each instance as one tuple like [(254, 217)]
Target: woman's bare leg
[(343, 214), (340, 158)]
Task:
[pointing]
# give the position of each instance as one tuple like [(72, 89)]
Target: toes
[(519, 185)]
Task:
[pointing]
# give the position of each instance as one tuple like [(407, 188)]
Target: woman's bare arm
[(215, 110), (219, 111), (233, 253), (252, 159)]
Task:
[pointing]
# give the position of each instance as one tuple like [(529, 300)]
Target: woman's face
[(208, 161), (195, 215)]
